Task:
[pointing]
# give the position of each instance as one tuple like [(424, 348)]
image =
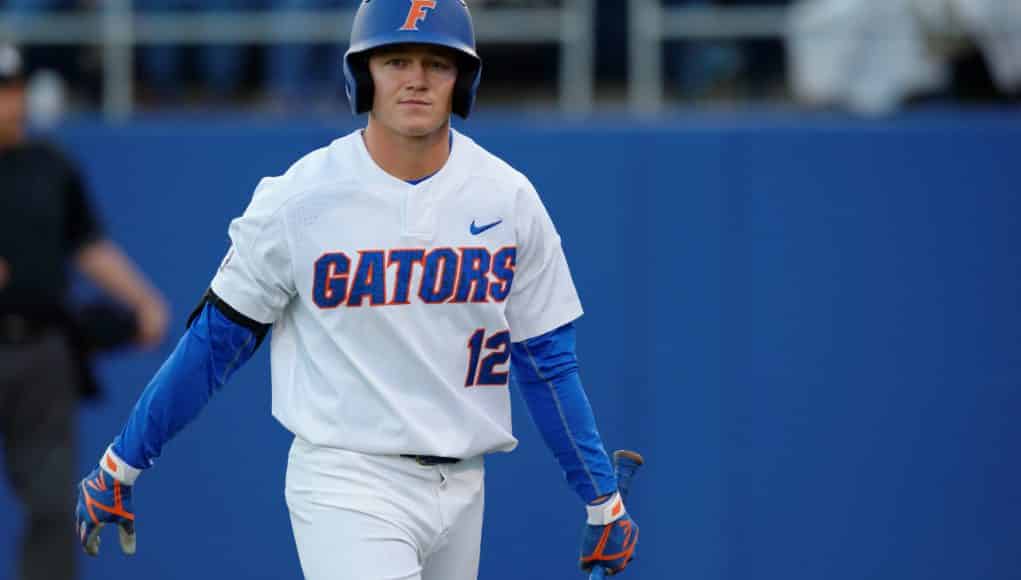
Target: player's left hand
[(610, 537), (104, 500)]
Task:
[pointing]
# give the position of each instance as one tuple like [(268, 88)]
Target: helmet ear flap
[(358, 65), (468, 75)]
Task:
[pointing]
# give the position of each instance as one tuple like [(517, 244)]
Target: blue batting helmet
[(380, 23)]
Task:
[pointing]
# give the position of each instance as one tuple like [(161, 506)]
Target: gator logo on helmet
[(417, 13)]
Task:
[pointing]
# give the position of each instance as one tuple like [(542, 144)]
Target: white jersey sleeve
[(543, 296), (256, 277)]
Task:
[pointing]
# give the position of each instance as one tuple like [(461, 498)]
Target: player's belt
[(431, 459)]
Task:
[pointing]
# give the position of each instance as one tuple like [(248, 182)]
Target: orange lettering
[(417, 13)]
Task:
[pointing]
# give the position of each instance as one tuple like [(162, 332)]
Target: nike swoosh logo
[(476, 230)]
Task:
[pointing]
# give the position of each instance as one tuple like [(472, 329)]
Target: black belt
[(431, 459), (18, 329)]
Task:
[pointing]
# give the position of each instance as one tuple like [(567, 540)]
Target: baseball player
[(407, 274)]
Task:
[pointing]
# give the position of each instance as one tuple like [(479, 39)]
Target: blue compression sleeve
[(546, 370), (206, 356)]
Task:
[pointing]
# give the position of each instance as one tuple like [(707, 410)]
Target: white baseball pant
[(383, 517)]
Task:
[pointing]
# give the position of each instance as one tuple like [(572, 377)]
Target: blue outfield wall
[(811, 328)]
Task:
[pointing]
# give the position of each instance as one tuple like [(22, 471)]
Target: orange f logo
[(417, 13)]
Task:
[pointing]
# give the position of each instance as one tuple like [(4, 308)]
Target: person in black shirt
[(46, 225)]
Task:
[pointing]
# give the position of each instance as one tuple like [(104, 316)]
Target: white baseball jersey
[(394, 305)]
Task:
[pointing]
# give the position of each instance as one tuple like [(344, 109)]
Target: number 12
[(487, 373)]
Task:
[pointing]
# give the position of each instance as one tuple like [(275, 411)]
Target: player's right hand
[(104, 499)]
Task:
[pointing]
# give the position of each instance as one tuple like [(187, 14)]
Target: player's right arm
[(252, 287), (218, 341)]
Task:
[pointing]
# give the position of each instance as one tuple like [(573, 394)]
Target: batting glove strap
[(118, 468), (606, 512)]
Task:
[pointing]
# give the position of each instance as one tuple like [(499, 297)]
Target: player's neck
[(407, 158)]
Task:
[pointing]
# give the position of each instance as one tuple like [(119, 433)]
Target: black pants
[(38, 400)]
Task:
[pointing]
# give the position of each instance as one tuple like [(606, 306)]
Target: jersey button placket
[(420, 211)]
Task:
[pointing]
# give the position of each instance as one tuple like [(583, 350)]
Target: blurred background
[(282, 57), (794, 227)]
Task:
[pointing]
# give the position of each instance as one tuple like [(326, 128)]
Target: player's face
[(12, 112), (414, 86)]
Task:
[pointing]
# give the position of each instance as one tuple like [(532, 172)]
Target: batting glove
[(104, 497), (610, 536)]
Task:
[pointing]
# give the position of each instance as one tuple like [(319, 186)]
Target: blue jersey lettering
[(329, 285), (455, 275)]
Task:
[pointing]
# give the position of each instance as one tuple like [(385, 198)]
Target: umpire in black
[(46, 225)]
